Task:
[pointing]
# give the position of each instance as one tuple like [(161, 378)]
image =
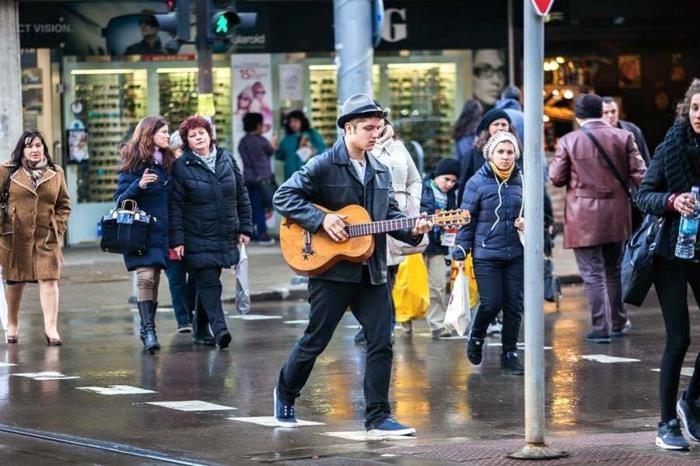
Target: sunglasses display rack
[(324, 104), (178, 100), (421, 101), (323, 92), (112, 105)]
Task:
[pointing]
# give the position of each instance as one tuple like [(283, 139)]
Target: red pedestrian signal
[(542, 7)]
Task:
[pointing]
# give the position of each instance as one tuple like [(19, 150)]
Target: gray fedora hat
[(358, 105)]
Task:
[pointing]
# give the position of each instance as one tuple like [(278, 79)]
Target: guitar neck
[(383, 226)]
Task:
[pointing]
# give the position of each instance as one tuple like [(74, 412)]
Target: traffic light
[(225, 24), (176, 22)]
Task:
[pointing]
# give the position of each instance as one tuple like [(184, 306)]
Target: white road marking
[(254, 317), (117, 390), (363, 436), (686, 371), (49, 375), (270, 421), (295, 322), (605, 359), (191, 405)]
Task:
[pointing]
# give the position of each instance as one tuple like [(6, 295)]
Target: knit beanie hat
[(588, 106), (447, 167), (491, 116), (496, 139)]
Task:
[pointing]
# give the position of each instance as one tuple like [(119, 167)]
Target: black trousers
[(371, 306), (500, 288), (671, 280), (208, 299)]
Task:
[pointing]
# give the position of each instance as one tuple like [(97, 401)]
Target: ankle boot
[(148, 330), (154, 310)]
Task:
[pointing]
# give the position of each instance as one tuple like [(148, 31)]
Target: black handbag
[(126, 229), (267, 190), (638, 261)]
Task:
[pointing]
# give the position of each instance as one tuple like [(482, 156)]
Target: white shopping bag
[(3, 305), (242, 286), (457, 316)]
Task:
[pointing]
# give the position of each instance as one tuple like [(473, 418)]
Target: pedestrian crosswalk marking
[(270, 421), (686, 371), (6, 364), (605, 359), (191, 405), (364, 436), (294, 322), (117, 390), (521, 345), (254, 317), (165, 310), (49, 375)]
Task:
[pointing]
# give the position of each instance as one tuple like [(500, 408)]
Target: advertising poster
[(252, 92), (290, 81)]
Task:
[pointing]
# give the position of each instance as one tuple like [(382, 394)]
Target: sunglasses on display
[(488, 71)]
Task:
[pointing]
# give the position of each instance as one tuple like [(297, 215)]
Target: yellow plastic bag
[(471, 278), (411, 292)]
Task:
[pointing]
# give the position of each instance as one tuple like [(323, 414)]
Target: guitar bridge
[(307, 251)]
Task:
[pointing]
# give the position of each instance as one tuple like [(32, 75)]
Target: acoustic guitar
[(311, 254)]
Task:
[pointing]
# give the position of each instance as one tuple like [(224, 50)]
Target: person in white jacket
[(407, 184)]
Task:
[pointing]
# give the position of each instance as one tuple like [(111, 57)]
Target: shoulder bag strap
[(609, 163), (5, 195)]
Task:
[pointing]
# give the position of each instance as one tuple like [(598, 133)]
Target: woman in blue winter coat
[(494, 198), (144, 174)]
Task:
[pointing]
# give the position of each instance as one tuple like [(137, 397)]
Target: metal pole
[(511, 45), (533, 195), (205, 84), (10, 86), (353, 47)]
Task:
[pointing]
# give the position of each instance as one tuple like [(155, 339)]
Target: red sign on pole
[(542, 7)]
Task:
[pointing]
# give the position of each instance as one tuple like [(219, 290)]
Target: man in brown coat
[(597, 217)]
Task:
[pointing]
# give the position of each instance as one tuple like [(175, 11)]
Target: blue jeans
[(181, 291), (256, 203), (500, 288)]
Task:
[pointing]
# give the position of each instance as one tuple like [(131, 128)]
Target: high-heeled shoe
[(12, 339), (53, 341)]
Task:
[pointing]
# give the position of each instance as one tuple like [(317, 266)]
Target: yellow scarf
[(502, 174)]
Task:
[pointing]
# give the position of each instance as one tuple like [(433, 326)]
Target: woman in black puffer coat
[(210, 214), (665, 192)]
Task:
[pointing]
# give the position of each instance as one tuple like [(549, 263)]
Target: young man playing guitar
[(343, 175)]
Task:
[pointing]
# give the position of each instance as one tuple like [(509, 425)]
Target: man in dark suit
[(344, 175), (611, 115), (598, 216)]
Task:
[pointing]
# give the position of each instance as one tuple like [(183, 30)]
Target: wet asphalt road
[(434, 389)]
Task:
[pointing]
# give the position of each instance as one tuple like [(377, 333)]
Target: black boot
[(154, 310), (148, 328)]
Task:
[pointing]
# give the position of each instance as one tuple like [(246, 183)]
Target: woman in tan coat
[(33, 219)]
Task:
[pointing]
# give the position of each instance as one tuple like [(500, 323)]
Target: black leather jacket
[(330, 180)]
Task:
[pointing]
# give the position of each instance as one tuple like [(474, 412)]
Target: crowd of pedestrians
[(207, 208)]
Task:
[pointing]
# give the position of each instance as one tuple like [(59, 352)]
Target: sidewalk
[(269, 276)]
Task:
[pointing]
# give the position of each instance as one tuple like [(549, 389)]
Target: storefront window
[(421, 102), (108, 104), (178, 99), (324, 97)]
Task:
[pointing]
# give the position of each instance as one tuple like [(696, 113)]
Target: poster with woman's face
[(488, 75)]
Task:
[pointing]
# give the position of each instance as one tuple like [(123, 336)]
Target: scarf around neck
[(35, 171), (502, 174), (209, 160)]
